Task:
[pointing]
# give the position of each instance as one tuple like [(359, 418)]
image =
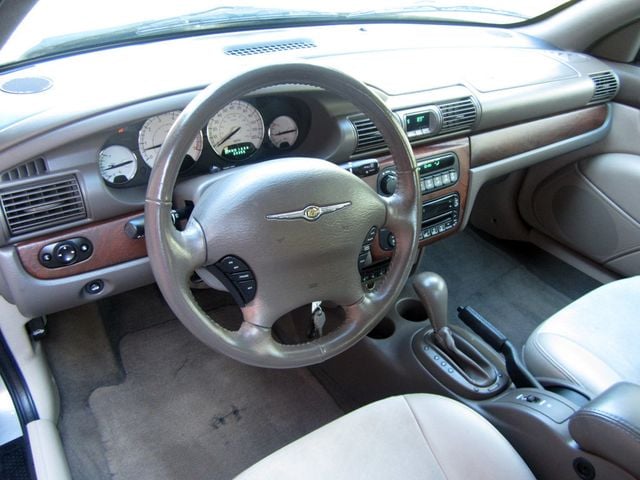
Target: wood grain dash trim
[(110, 247), (461, 148), (506, 142)]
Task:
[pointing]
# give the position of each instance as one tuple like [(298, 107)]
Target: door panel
[(575, 211)]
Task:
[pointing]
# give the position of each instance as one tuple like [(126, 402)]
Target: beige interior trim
[(46, 449), (574, 259), (31, 361)]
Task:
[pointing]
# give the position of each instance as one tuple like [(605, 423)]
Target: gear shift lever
[(432, 291)]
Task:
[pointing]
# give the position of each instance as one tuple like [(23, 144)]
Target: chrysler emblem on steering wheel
[(310, 213)]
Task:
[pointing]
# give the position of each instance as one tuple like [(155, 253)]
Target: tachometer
[(236, 132), (153, 133), (117, 164)]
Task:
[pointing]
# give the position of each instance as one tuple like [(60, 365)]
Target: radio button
[(454, 176), (429, 183), (445, 179), (437, 181)]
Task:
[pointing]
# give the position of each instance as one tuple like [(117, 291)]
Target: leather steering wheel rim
[(174, 254)]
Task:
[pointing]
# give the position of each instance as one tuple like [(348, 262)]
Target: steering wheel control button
[(371, 235), (65, 253), (387, 240), (241, 276), (237, 277), (95, 287), (247, 290), (231, 264), (363, 260)]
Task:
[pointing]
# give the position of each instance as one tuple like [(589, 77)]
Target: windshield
[(55, 27)]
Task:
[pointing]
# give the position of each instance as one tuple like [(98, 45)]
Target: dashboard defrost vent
[(368, 136), (44, 205), (30, 169), (261, 48), (458, 115), (606, 86)]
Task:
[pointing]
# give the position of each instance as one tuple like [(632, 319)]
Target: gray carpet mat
[(515, 286), (185, 411)]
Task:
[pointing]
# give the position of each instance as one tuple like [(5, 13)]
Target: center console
[(414, 349), (444, 178)]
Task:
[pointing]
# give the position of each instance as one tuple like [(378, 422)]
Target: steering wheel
[(298, 225)]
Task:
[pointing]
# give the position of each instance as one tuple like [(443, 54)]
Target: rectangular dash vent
[(605, 86), (31, 169), (368, 136), (262, 48), (458, 115), (41, 206)]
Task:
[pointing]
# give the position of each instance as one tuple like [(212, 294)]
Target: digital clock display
[(416, 121)]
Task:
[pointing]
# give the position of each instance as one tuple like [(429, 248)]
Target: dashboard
[(475, 102)]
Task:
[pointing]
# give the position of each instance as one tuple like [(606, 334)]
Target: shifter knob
[(432, 291)]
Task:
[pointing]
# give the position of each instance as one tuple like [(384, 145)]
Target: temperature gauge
[(283, 132), (117, 164)]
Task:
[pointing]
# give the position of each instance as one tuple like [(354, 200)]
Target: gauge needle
[(285, 132), (111, 167), (231, 134)]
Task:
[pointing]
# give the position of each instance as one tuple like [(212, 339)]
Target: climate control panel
[(436, 173)]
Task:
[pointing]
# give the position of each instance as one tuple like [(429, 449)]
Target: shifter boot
[(470, 362)]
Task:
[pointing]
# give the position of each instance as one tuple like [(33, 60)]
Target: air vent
[(30, 169), (41, 206), (458, 115), (369, 138), (606, 86), (262, 48)]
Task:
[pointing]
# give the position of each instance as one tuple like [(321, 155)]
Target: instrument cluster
[(244, 131)]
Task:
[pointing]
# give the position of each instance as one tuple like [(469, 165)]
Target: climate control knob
[(388, 183)]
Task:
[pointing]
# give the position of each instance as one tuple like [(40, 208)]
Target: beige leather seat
[(406, 437), (593, 342)]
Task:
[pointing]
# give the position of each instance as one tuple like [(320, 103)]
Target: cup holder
[(383, 330), (411, 309)]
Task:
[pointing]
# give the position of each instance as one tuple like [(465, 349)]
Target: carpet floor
[(144, 399), (515, 286)]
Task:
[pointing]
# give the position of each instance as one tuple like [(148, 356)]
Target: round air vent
[(24, 85)]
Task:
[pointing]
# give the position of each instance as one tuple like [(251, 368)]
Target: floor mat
[(185, 411), (515, 286)]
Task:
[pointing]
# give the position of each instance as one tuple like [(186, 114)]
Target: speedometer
[(236, 132), (153, 134)]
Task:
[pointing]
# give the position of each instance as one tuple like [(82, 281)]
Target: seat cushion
[(409, 437), (593, 342)]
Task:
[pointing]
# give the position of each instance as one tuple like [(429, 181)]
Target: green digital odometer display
[(238, 151)]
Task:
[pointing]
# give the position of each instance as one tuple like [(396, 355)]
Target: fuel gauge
[(117, 164), (283, 132)]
